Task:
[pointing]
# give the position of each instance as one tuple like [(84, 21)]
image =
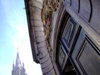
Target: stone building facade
[(18, 68), (65, 35)]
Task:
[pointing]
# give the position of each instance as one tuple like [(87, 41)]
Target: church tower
[(18, 68)]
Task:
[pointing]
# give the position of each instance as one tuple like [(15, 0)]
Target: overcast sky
[(13, 35)]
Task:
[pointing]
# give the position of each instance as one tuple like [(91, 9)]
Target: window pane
[(70, 32), (61, 57)]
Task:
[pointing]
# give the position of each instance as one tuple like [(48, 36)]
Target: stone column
[(37, 28)]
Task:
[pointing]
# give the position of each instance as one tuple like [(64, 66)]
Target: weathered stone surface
[(43, 48), (35, 7), (41, 1), (36, 23), (52, 72), (35, 10), (35, 3), (35, 17), (47, 63), (39, 34), (43, 53), (38, 29), (42, 44), (40, 39), (45, 58), (47, 69)]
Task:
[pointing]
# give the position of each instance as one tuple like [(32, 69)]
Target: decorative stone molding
[(36, 30)]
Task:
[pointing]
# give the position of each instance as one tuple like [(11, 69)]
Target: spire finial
[(13, 65), (17, 53), (18, 62)]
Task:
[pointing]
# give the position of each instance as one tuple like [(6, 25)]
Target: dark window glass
[(70, 32), (62, 57)]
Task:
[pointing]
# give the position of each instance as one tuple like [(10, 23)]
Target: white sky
[(13, 26), (21, 41)]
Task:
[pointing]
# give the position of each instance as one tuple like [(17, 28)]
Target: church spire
[(13, 65), (18, 61), (18, 68)]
